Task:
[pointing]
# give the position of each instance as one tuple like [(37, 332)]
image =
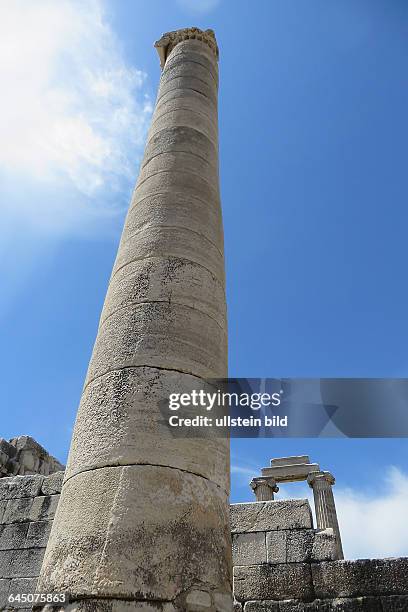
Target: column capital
[(264, 488), (169, 40), (320, 477)]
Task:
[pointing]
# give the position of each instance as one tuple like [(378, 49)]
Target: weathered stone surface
[(15, 487), (168, 162), (25, 509), (144, 519), (23, 563), (4, 590), (189, 47), (291, 472), (160, 335), (249, 548), (192, 103), (362, 577), (197, 600), (38, 534), (187, 55), (261, 606), (121, 422), (106, 605), (277, 582), (182, 139), (124, 606), (324, 547), (276, 546), (52, 484), (8, 463), (167, 280), (292, 460), (185, 117), (170, 241), (17, 510), (394, 603), (187, 182), (360, 604), (43, 508), (13, 536), (222, 602), (271, 515), (300, 545), (184, 67), (3, 505), (188, 60), (173, 182), (189, 82), (187, 211)]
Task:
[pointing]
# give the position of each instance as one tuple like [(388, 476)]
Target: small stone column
[(264, 488), (326, 515)]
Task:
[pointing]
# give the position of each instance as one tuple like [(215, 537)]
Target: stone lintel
[(294, 460), (291, 472), (169, 40)]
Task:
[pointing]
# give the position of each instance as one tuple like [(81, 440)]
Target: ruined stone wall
[(27, 508), (281, 564), (23, 455)]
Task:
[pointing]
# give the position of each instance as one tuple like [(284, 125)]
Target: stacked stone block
[(27, 508), (23, 455), (282, 564)]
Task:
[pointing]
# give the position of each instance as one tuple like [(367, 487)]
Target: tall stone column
[(144, 516), (325, 507)]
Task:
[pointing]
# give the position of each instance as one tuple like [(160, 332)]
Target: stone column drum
[(325, 507), (144, 516)]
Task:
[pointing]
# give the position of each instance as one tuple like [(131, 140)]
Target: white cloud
[(73, 114), (375, 524), (243, 472)]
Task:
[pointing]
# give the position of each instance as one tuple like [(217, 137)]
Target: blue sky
[(313, 149)]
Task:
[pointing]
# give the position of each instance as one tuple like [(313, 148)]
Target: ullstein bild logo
[(219, 399), (275, 407)]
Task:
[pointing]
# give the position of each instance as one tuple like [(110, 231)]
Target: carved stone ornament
[(169, 40)]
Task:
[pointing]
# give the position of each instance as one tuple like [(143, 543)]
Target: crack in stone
[(147, 162), (158, 465), (148, 225), (173, 171), (167, 301)]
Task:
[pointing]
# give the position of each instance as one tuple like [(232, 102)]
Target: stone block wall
[(27, 508), (282, 564)]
